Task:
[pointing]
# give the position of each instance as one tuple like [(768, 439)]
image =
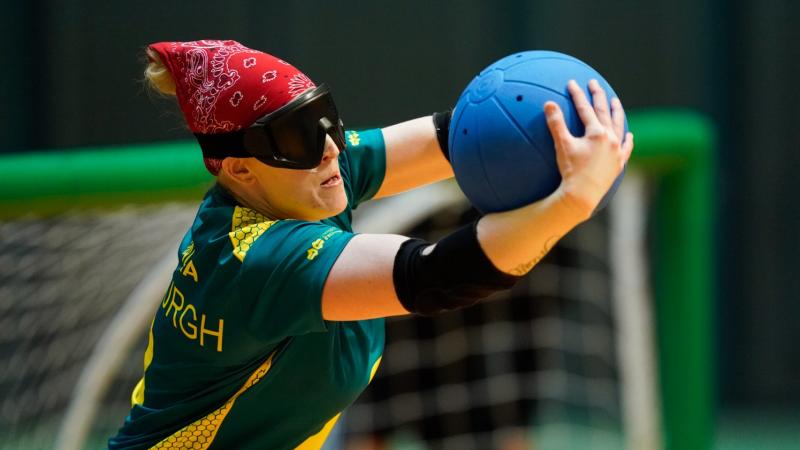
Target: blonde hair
[(160, 80), (157, 75)]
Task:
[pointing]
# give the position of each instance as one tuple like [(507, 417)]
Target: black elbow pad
[(454, 275)]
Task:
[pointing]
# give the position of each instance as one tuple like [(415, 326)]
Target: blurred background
[(72, 79)]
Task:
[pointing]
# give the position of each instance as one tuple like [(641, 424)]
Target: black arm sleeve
[(441, 122), (456, 274)]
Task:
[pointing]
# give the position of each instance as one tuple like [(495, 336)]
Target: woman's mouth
[(335, 180)]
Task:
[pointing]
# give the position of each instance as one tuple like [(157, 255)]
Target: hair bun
[(157, 75)]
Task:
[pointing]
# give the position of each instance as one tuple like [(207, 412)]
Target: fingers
[(627, 148), (618, 116), (556, 124), (600, 103), (582, 105)]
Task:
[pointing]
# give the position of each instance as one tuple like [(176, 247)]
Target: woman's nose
[(331, 151)]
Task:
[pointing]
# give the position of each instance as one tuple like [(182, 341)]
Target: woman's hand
[(589, 164)]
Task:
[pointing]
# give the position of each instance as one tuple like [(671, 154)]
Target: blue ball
[(500, 147)]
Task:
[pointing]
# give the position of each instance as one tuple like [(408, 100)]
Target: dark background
[(72, 69)]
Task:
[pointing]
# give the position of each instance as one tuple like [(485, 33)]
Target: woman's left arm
[(413, 157)]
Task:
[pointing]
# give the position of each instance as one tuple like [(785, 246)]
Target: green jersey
[(239, 356)]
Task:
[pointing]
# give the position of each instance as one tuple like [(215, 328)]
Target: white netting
[(62, 279), (541, 357)]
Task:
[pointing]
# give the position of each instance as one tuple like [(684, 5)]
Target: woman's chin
[(339, 205), (333, 204)]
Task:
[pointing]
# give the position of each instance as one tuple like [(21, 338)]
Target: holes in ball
[(519, 98), (519, 56), (465, 131)]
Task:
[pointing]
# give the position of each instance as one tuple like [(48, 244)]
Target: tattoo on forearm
[(524, 268)]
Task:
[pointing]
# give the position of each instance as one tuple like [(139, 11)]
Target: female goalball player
[(273, 322)]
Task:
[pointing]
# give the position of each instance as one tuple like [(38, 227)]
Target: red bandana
[(224, 86)]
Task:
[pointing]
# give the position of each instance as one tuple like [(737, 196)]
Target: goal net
[(63, 281), (540, 354), (576, 356)]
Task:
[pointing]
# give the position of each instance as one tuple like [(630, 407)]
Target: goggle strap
[(222, 145)]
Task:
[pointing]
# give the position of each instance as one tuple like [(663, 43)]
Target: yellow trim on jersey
[(137, 397), (375, 368), (201, 433), (246, 226), (316, 441)]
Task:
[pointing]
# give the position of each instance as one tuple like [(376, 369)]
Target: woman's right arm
[(361, 283)]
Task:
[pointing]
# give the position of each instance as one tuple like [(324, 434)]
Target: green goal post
[(675, 148)]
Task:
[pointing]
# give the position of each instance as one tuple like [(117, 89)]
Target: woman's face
[(313, 194)]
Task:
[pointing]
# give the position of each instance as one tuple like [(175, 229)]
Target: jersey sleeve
[(363, 164), (283, 276)]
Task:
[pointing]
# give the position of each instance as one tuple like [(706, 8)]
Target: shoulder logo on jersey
[(247, 225), (354, 138), (317, 244)]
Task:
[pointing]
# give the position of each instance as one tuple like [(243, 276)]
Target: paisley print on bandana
[(299, 84), (213, 77)]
